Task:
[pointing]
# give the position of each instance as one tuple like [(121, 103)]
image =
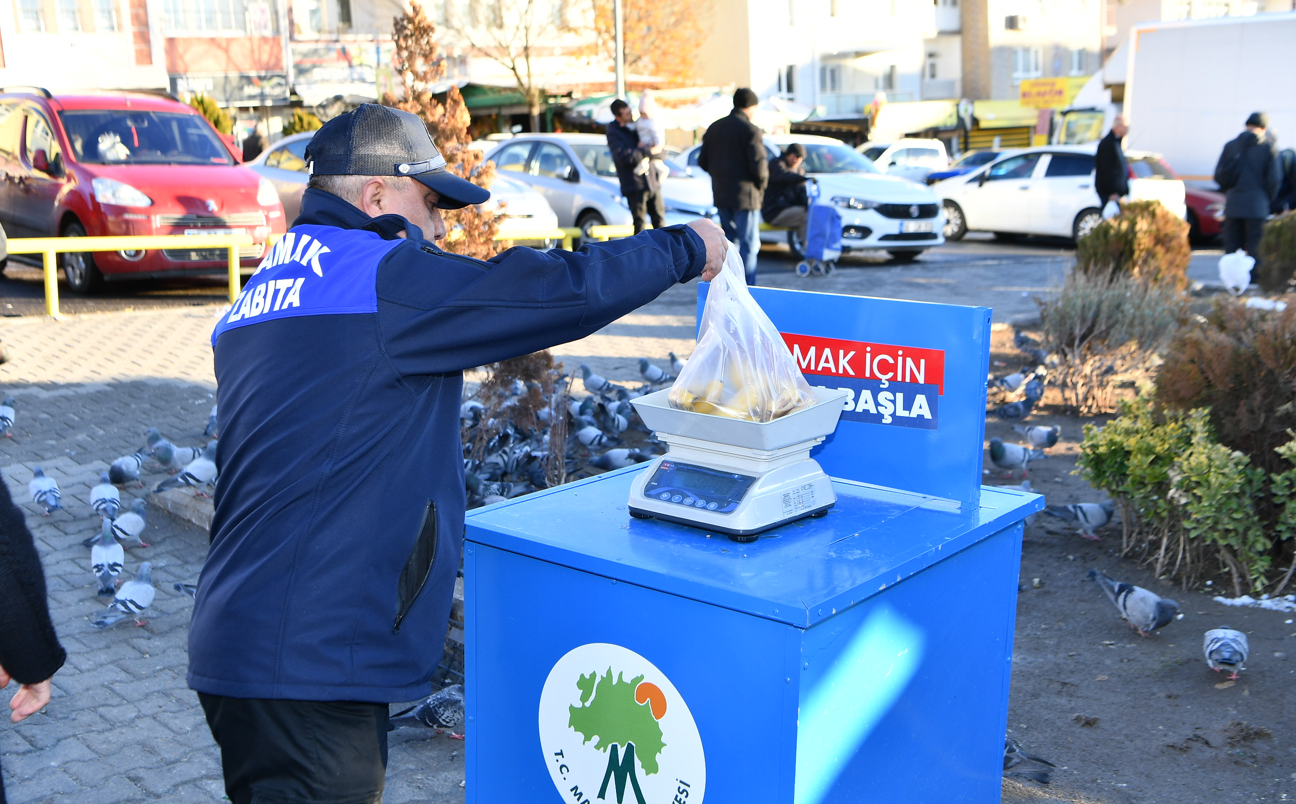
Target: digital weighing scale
[(735, 477)]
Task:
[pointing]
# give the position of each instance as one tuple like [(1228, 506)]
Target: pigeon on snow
[(1022, 765), (126, 469), (45, 491), (106, 559), (651, 373), (1090, 516), (1013, 456), (105, 499), (7, 416), (210, 431), (676, 364), (440, 710), (200, 472), (132, 599), (132, 523), (1039, 436), (593, 382), (1145, 611), (1226, 649)]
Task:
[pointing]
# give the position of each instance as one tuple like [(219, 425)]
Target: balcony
[(948, 19), (946, 89)]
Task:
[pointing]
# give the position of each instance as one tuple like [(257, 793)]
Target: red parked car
[(1205, 207), (126, 163)]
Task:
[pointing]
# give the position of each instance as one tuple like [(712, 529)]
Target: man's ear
[(373, 197)]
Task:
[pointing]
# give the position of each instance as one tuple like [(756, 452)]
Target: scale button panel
[(698, 487)]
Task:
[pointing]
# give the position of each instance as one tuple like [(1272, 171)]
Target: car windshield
[(127, 137), (975, 159), (822, 158), (876, 151)]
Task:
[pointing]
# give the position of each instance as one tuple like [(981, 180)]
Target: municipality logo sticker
[(614, 728)]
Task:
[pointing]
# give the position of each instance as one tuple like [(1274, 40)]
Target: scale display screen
[(697, 487)]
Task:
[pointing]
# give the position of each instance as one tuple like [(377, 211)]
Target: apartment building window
[(344, 14), (830, 78), (69, 16), (31, 16), (931, 68), (1079, 62), (787, 81), (105, 15), (1027, 63), (887, 80), (255, 17)]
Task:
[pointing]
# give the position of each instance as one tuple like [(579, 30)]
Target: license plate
[(916, 226), (215, 231)]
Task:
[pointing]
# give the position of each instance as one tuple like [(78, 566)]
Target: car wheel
[(904, 256), (1085, 223), (955, 223), (79, 268), (795, 245), (586, 221), (1007, 237)]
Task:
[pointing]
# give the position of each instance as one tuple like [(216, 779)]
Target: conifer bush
[(1145, 241), (1277, 266), (301, 120), (217, 116)]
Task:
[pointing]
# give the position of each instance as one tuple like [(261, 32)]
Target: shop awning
[(1003, 114)]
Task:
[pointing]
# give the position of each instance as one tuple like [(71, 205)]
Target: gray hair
[(348, 187)]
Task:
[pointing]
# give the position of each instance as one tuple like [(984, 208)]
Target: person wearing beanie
[(733, 153), (1250, 174), (786, 204)]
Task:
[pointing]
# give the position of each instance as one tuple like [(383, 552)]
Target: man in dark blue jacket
[(340, 507), (642, 191)]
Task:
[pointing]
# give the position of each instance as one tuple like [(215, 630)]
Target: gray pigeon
[(618, 459), (170, 457), (651, 373), (1010, 382), (440, 710), (190, 589), (1145, 611), (105, 499), (106, 559), (1226, 649), (7, 416), (1019, 764), (591, 436), (199, 473), (210, 431), (45, 491), (1039, 436), (1014, 411), (132, 599), (132, 523), (676, 364), (126, 469), (1013, 456), (593, 382), (1090, 516)]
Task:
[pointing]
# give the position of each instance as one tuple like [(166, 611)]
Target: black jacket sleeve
[(441, 313), (29, 648), (758, 160), (1274, 176)]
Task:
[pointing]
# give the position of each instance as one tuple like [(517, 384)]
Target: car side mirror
[(40, 161), (569, 173), (981, 180)]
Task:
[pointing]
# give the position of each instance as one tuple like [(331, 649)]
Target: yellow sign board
[(1050, 93)]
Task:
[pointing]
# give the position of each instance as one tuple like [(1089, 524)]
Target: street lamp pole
[(620, 51)]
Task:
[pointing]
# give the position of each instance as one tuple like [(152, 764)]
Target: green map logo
[(615, 729)]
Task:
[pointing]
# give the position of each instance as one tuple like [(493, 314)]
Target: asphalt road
[(977, 270)]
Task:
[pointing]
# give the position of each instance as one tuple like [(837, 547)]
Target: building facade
[(1005, 42), (67, 45)]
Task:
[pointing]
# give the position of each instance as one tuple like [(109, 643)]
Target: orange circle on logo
[(651, 694)]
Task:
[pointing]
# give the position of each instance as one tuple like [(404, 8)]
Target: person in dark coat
[(642, 191), (1249, 172), (786, 203), (255, 143), (733, 152), (1111, 171), (30, 652)]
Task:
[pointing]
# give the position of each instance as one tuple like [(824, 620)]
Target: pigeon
[(45, 491), (618, 459), (592, 437), (200, 472), (440, 710), (676, 364), (1034, 389), (126, 469), (1039, 436), (211, 431), (1010, 382), (168, 455), (7, 416), (651, 373), (593, 382), (1029, 346), (132, 599), (1090, 516), (132, 523), (106, 559), (1145, 611), (1226, 649), (190, 589), (1014, 411), (1022, 765), (1013, 456), (1235, 271), (105, 499)]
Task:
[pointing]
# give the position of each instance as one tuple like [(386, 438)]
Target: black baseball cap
[(375, 140)]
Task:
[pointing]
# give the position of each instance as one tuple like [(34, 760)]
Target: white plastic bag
[(1235, 271), (741, 368), (1110, 210)]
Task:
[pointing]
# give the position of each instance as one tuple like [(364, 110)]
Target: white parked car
[(1040, 191), (879, 212), (911, 159)]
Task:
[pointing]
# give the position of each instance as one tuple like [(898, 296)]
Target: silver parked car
[(576, 174)]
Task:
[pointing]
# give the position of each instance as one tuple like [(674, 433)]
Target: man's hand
[(29, 699), (716, 245)]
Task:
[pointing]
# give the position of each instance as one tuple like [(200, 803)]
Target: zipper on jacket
[(418, 566)]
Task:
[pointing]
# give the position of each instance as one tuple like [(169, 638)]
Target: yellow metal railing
[(50, 247)]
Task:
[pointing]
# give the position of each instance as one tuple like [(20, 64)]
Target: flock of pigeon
[(194, 467)]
